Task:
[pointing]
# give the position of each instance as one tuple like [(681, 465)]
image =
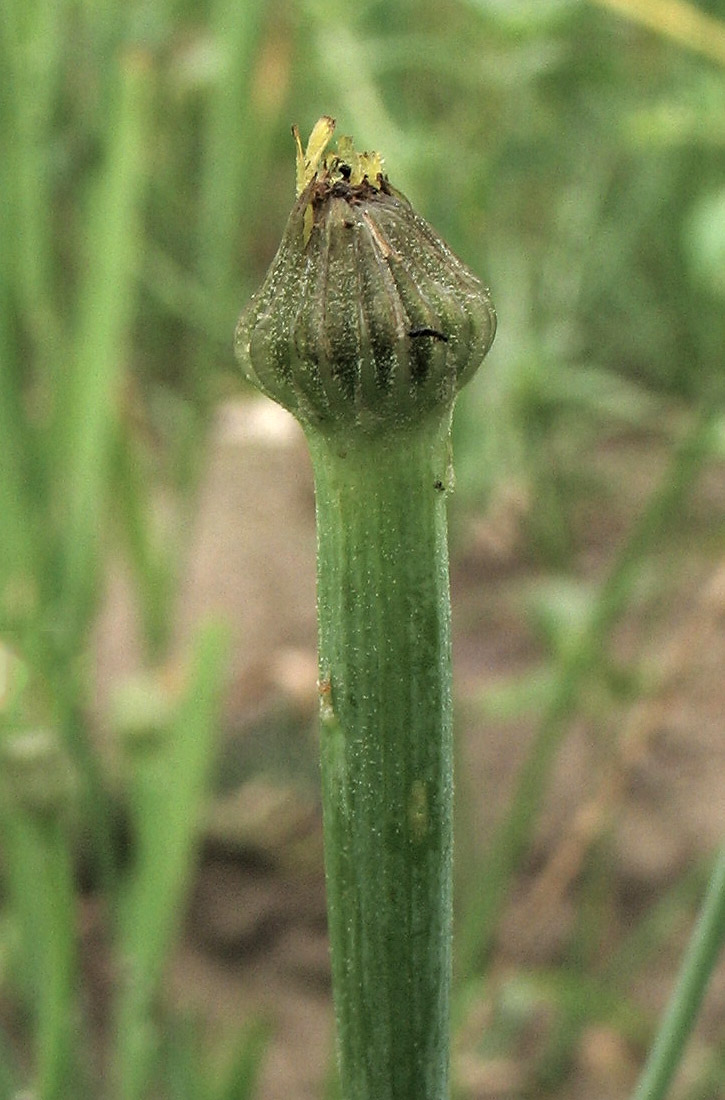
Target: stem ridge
[(386, 753)]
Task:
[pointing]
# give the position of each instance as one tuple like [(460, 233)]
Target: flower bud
[(365, 317)]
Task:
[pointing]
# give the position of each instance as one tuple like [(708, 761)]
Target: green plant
[(74, 492), (143, 173), (366, 328), (698, 964)]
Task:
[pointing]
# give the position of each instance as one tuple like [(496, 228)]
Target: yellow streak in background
[(682, 22)]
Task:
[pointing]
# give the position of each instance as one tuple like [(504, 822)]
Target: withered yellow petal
[(309, 161)]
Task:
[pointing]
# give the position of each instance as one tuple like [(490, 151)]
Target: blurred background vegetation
[(573, 154)]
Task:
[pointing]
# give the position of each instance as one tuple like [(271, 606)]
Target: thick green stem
[(385, 687)]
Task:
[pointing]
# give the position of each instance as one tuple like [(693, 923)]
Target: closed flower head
[(365, 317)]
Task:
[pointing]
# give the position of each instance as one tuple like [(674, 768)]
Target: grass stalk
[(30, 46), (40, 878), (169, 756), (229, 141), (88, 399), (697, 967), (492, 883)]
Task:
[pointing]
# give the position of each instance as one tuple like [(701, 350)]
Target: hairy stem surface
[(385, 688)]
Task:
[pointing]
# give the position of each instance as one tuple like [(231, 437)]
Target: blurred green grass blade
[(187, 1076), (340, 49), (152, 569), (240, 1080), (24, 553), (490, 885), (183, 296), (88, 401), (17, 551), (20, 299), (229, 142), (167, 785), (182, 1061), (8, 1073), (510, 698), (39, 874), (655, 927), (97, 803), (56, 1008), (697, 967), (31, 43)]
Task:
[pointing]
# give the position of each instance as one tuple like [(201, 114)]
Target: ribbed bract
[(365, 317)]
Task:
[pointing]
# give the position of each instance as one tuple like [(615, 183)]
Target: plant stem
[(38, 865), (366, 328), (168, 769), (385, 688), (697, 967)]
